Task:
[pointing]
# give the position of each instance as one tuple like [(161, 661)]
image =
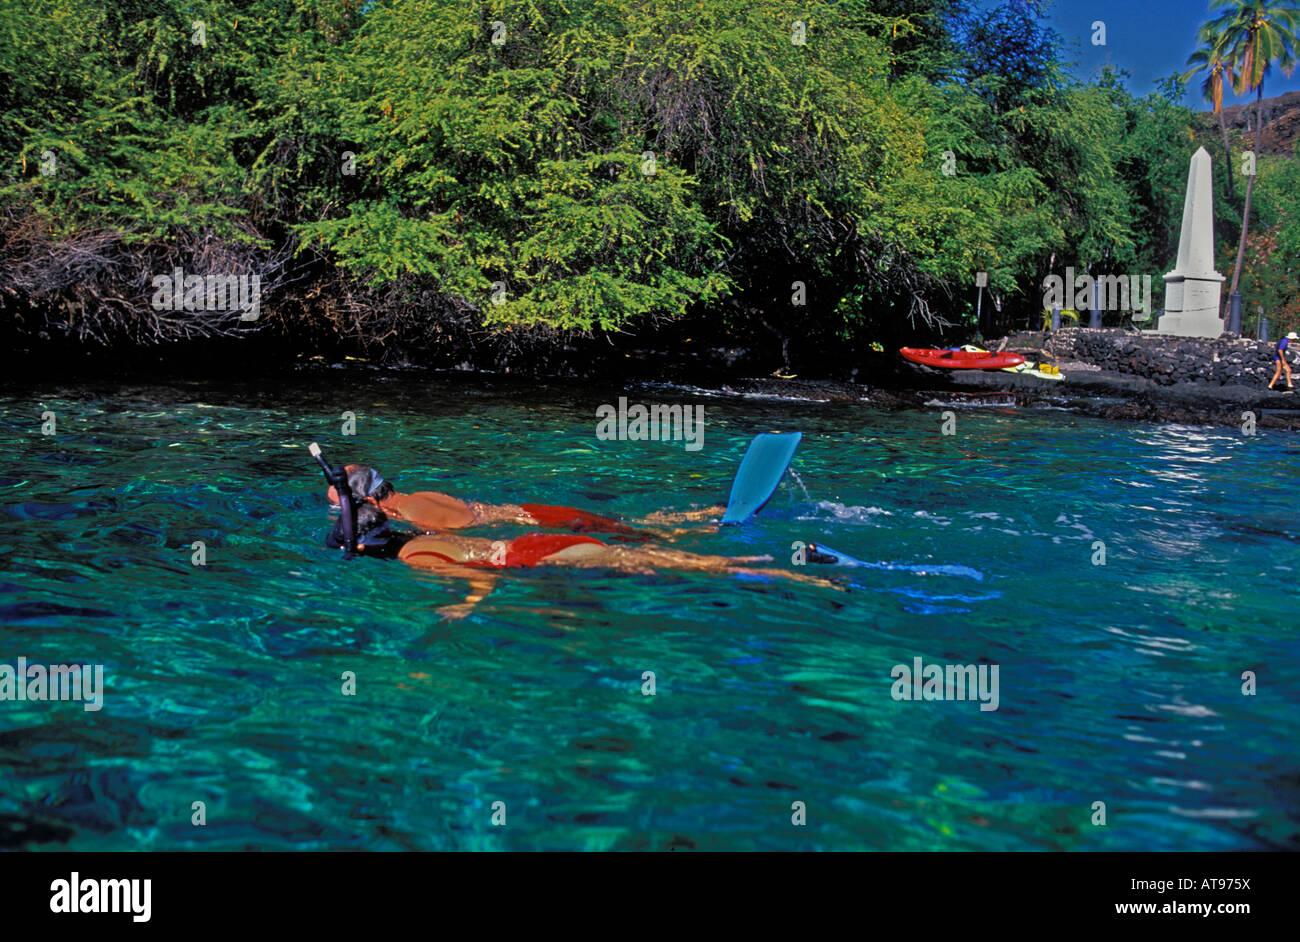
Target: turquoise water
[(1119, 683)]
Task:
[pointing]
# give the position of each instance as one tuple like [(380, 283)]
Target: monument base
[(1192, 305), (1205, 324)]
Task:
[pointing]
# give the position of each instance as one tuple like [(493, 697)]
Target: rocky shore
[(1167, 361), (1122, 374), (1108, 373), (1114, 374), (1126, 375)]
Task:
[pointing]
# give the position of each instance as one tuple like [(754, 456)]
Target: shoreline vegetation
[(566, 191)]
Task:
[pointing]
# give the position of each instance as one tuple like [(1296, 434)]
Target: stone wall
[(1170, 360)]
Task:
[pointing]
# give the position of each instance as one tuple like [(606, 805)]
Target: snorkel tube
[(338, 478)]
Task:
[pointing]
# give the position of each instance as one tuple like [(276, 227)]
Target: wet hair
[(365, 482)]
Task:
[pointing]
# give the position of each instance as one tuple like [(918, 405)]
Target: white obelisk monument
[(1192, 288)]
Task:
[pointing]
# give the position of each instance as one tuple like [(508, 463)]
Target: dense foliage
[(785, 174)]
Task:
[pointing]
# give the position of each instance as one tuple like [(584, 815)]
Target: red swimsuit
[(580, 521)]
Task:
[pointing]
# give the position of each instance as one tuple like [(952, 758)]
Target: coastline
[(1108, 373)]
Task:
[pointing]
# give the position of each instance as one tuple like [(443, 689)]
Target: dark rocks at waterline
[(1168, 361), (1114, 395), (1118, 374), (1099, 394)]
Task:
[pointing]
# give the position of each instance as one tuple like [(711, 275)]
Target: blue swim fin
[(823, 554), (820, 553), (760, 472)]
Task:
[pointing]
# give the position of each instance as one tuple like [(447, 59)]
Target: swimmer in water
[(431, 510), (474, 558)]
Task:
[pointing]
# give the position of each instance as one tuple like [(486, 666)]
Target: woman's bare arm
[(481, 582), (429, 510)]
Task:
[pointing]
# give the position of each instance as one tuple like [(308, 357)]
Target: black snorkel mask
[(338, 479), (382, 542)]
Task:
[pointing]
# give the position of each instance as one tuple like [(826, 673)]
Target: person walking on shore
[(1279, 360)]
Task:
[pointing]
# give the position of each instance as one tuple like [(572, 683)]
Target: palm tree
[(1256, 34), (1213, 59)]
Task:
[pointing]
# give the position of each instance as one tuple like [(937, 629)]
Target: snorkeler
[(474, 558), (432, 510)]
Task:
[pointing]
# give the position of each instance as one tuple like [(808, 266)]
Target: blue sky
[(1148, 38)]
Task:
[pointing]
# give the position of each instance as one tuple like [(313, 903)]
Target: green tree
[(1271, 274), (596, 165), (1213, 59), (1257, 35)]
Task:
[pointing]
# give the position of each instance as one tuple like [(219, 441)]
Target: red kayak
[(960, 359)]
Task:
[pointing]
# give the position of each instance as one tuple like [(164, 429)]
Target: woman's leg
[(646, 560), (1277, 371), (577, 551), (683, 516)]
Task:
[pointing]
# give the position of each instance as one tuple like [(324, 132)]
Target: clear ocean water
[(1119, 683)]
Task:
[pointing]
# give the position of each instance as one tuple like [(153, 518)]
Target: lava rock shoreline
[(1112, 374)]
